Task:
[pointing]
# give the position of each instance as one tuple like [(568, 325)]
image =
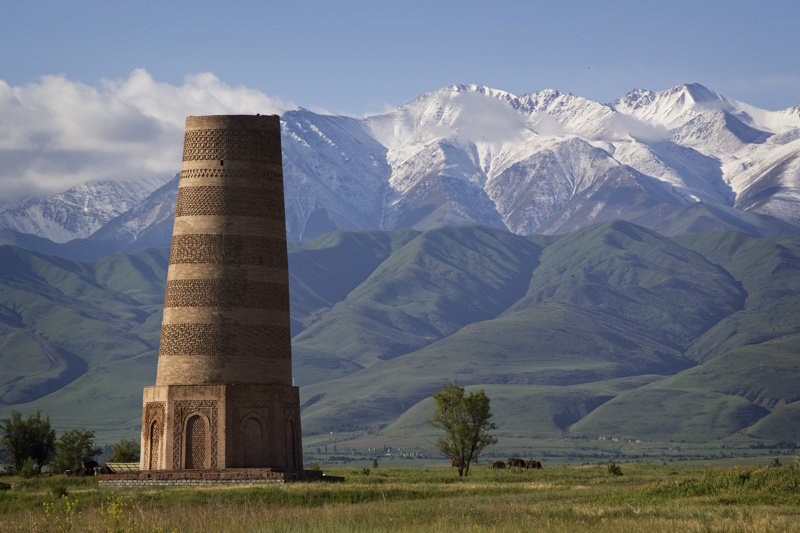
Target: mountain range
[(677, 161), (577, 260), (570, 334)]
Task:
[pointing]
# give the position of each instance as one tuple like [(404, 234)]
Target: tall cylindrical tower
[(223, 396), (226, 311)]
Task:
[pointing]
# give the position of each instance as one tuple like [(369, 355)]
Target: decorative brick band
[(229, 201), (237, 144), (239, 293), (230, 249), (233, 174), (225, 339)]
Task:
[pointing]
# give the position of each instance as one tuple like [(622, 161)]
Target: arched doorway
[(155, 446), (196, 451), (252, 443)]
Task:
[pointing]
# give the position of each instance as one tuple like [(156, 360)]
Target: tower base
[(195, 478), (218, 427)]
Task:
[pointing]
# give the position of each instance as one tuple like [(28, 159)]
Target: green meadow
[(644, 498)]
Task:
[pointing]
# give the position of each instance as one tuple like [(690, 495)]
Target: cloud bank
[(56, 133)]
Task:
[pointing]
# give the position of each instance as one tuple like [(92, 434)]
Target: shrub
[(59, 490), (29, 468)]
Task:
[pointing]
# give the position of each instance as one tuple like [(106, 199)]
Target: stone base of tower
[(199, 478), (221, 427)]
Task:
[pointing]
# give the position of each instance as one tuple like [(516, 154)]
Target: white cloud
[(638, 129), (490, 118), (56, 133)]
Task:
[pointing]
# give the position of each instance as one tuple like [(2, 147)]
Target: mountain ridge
[(594, 324), (543, 162)]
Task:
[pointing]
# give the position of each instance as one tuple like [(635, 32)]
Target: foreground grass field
[(644, 498)]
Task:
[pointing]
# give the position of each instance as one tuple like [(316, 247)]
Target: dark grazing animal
[(514, 462)]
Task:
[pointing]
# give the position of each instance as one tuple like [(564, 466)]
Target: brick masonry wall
[(192, 478)]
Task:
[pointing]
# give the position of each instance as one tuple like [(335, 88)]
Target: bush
[(614, 469), (28, 469), (59, 491)]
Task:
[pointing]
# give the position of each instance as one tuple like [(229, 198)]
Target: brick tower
[(223, 396)]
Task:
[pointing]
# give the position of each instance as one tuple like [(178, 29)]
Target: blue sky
[(100, 90), (360, 57)]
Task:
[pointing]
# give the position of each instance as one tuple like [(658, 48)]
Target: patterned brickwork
[(229, 201), (183, 409), (229, 249), (195, 442), (240, 293), (152, 433), (237, 144), (228, 339), (155, 446), (218, 173)]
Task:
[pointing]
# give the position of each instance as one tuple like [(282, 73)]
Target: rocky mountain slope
[(545, 162)]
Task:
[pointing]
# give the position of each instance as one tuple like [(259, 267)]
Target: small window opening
[(221, 162)]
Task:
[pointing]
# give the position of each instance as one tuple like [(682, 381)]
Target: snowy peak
[(481, 89), (701, 95), (671, 108), (717, 132), (457, 111), (77, 212), (546, 162)]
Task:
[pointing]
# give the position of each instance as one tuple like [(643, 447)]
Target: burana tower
[(223, 397)]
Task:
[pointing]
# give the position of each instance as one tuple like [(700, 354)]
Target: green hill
[(611, 330), (79, 330), (429, 288)]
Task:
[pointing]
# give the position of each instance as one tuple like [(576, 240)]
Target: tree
[(73, 447), (23, 439), (465, 421), (125, 451)]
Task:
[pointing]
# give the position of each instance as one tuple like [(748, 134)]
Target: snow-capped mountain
[(77, 212), (150, 222), (549, 162), (545, 162)]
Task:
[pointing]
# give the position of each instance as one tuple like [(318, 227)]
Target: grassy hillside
[(768, 272), (79, 339), (426, 290), (611, 330)]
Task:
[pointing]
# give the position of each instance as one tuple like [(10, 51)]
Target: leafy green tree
[(465, 421), (125, 451), (72, 447), (31, 438)]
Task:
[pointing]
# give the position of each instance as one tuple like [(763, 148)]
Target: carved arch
[(196, 442), (253, 432)]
